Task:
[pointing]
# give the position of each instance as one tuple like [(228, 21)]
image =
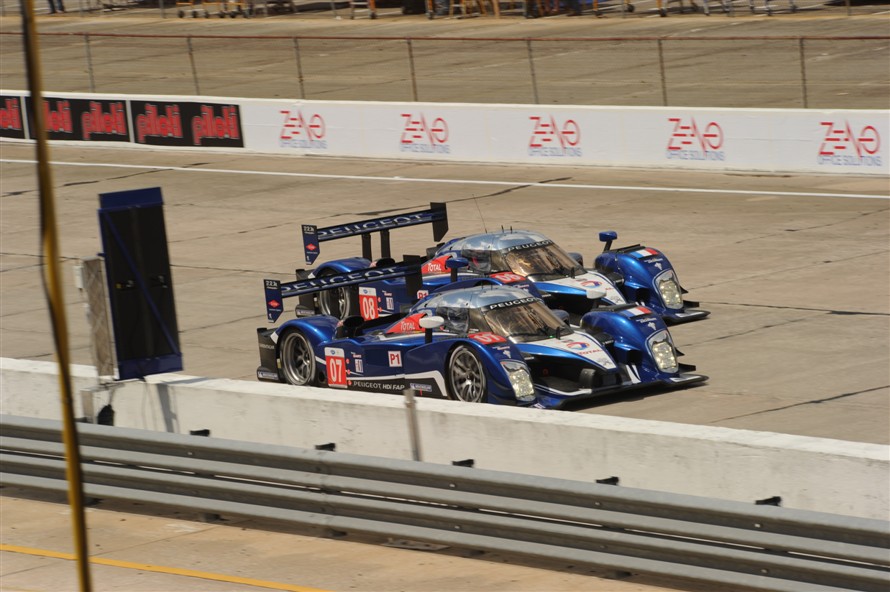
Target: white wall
[(819, 474)]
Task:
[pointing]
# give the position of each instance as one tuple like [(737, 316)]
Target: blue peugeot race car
[(635, 274), (471, 340)]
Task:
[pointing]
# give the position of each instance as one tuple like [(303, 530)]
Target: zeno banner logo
[(553, 138), (299, 132), (845, 145), (689, 141), (418, 135)]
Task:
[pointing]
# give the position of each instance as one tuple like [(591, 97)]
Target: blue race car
[(471, 340), (634, 274)]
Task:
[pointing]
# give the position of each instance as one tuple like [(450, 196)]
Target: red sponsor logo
[(210, 125), (487, 338), (96, 121), (548, 132), (410, 324), (690, 136), (416, 130), (436, 265), (11, 115), (842, 139), (58, 119), (160, 125), (508, 277), (298, 127)]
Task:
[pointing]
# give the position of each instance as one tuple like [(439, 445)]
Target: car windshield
[(541, 259), (525, 320)]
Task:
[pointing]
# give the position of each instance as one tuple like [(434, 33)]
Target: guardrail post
[(664, 92), (89, 56), (531, 68), (411, 406), (411, 66), (803, 73), (192, 61), (299, 67)]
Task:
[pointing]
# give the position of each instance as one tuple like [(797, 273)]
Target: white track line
[(457, 181)]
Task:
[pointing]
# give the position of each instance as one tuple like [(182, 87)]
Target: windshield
[(523, 320), (541, 259)]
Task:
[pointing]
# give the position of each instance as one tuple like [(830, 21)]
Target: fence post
[(89, 56), (803, 73), (664, 92), (299, 67), (411, 66), (194, 68), (411, 406), (531, 68)]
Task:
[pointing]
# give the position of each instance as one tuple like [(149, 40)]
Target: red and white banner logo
[(298, 131), (691, 141), (846, 145), (420, 135), (551, 137)]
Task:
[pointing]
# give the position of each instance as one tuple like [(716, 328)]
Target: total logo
[(551, 137), (691, 141), (420, 135), (577, 345), (845, 145), (298, 131)]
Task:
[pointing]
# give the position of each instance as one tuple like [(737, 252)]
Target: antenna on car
[(481, 217)]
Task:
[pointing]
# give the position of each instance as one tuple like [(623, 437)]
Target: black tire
[(466, 376), (338, 302), (297, 359)]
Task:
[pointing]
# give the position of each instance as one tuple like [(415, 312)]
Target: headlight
[(664, 355), (669, 290), (520, 380)]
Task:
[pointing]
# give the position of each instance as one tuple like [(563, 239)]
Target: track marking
[(160, 569), (455, 181)]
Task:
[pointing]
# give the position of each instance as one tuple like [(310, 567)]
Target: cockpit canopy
[(510, 312), (520, 251)]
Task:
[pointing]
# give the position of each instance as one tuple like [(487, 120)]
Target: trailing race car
[(472, 340), (634, 274)]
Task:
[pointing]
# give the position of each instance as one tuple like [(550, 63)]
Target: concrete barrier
[(835, 476)]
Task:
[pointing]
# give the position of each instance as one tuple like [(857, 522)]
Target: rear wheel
[(466, 376), (297, 359), (338, 302)]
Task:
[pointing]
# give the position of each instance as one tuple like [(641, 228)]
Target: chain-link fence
[(737, 72)]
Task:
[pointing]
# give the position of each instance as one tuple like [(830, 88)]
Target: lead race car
[(471, 340), (634, 274)]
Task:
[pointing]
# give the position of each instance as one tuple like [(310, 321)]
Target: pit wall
[(762, 140), (834, 476)]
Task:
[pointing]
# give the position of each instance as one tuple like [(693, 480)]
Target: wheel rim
[(467, 377), (298, 359), (333, 302)]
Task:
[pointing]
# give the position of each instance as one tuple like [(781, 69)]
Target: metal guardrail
[(610, 527)]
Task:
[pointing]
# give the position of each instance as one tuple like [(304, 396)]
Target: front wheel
[(466, 376), (297, 359)]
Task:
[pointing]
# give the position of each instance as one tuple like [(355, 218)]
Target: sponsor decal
[(508, 303), (395, 359), (266, 375), (410, 324), (436, 265), (418, 386), (377, 385), (542, 243), (12, 123), (508, 277), (274, 306), (358, 364), (576, 345), (637, 311), (646, 252), (553, 138), (377, 224), (310, 243), (367, 303), (690, 141), (845, 145), (420, 136), (84, 120), (591, 283), (174, 123), (487, 338), (345, 279), (299, 131), (421, 294)]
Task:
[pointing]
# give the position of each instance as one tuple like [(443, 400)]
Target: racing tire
[(297, 359), (338, 302), (466, 376)]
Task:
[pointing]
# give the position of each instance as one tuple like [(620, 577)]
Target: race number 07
[(335, 363)]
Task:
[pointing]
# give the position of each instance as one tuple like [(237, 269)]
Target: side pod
[(268, 369)]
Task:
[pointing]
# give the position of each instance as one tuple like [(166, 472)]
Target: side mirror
[(607, 237), (578, 257), (454, 264), (428, 324), (594, 295), (561, 315)]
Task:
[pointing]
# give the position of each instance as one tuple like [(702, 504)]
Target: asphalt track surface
[(794, 268)]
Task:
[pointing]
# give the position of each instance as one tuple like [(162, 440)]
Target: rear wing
[(437, 215), (277, 291)]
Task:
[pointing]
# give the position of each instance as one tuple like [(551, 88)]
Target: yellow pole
[(55, 296)]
